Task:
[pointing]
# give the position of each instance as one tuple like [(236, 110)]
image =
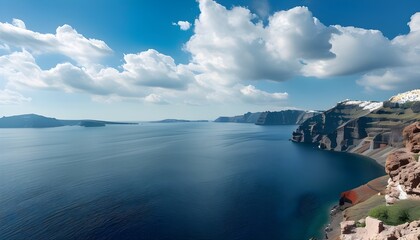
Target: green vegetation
[(360, 224), (399, 213)]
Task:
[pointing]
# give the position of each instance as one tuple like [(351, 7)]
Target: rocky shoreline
[(377, 130), (402, 182)]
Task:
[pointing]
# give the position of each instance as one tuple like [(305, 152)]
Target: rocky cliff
[(375, 229), (402, 191), (363, 127), (246, 118), (286, 117), (403, 168), (385, 131)]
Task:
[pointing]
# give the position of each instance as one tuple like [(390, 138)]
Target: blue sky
[(130, 60)]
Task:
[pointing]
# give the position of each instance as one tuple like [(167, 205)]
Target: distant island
[(92, 124), (177, 121), (285, 117), (38, 121)]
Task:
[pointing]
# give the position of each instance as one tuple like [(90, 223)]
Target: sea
[(186, 181)]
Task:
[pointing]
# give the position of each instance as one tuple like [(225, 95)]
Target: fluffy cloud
[(183, 25), (229, 49), (356, 51), (406, 71), (140, 72), (391, 78), (149, 76), (151, 68), (18, 23), (237, 47), (231, 45), (296, 35), (66, 41), (9, 97), (251, 94), (156, 99)]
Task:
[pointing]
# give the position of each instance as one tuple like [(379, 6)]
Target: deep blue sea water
[(169, 181)]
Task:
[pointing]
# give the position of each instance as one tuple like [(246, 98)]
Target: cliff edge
[(397, 215), (285, 117), (387, 132), (368, 128)]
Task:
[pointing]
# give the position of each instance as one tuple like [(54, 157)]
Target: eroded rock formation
[(403, 167), (372, 129), (376, 230)]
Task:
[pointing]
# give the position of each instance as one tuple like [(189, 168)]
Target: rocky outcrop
[(377, 130), (246, 118), (322, 128), (403, 167), (397, 161), (403, 171), (377, 230), (286, 117), (362, 127), (411, 138), (355, 203)]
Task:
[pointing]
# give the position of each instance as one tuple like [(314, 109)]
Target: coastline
[(332, 230)]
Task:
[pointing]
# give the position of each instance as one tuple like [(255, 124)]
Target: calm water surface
[(169, 181)]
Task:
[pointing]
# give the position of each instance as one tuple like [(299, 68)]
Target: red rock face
[(411, 135), (402, 166), (410, 179), (396, 161)]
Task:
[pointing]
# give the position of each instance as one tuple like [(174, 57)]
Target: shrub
[(399, 213), (380, 212), (403, 216)]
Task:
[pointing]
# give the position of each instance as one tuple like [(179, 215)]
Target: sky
[(150, 60)]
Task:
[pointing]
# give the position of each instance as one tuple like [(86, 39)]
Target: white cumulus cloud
[(66, 41), (155, 98), (254, 95), (230, 43), (140, 72), (405, 72), (183, 25), (230, 49), (356, 50), (151, 68), (9, 97), (18, 23)]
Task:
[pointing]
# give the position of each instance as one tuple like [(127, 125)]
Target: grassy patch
[(399, 213), (361, 210)]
